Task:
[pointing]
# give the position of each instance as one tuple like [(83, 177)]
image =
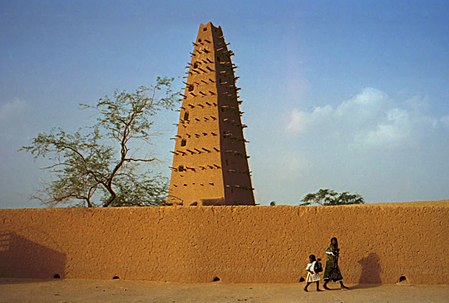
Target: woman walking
[(332, 271)]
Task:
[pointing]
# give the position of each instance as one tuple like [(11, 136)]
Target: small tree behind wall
[(328, 197)]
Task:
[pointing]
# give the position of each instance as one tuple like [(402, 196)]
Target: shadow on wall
[(22, 258), (371, 270)]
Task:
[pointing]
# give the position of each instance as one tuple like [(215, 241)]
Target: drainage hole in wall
[(115, 278), (402, 278), (56, 276), (216, 279), (301, 279)]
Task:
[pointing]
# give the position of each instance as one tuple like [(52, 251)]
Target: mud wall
[(379, 243)]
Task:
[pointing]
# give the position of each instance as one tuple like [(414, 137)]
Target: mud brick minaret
[(210, 165)]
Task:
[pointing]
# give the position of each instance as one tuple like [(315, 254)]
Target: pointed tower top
[(208, 25)]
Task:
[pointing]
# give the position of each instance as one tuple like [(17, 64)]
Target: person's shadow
[(371, 269)]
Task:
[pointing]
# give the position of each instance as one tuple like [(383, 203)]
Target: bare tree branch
[(92, 165)]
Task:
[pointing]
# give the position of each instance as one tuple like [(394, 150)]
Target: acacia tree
[(94, 166), (327, 197)]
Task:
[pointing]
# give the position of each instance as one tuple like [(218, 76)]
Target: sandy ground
[(143, 291)]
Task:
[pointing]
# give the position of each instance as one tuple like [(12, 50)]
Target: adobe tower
[(210, 165)]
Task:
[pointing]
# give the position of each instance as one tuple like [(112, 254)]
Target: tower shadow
[(371, 269), (21, 258)]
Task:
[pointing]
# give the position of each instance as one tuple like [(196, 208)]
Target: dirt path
[(116, 291)]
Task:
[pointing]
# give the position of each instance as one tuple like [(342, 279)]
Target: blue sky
[(348, 95)]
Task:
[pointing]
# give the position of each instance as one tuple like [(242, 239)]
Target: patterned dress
[(332, 271)]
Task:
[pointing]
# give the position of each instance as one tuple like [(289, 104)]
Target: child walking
[(312, 276)]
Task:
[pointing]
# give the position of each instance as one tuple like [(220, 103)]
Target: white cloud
[(393, 128), (385, 148), (301, 122), (296, 123), (369, 119), (369, 101)]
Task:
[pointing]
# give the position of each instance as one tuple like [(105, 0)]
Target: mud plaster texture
[(210, 164), (379, 243)]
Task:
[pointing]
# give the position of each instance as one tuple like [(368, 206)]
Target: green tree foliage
[(94, 166), (327, 197)]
